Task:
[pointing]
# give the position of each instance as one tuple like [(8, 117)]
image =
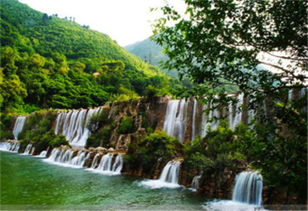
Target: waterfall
[(168, 178), (303, 91), (174, 123), (290, 95), (18, 126), (251, 116), (73, 125), (106, 165), (95, 161), (248, 188), (235, 116), (28, 149), (204, 124), (193, 132), (32, 151), (65, 157), (79, 159), (170, 172), (43, 154), (9, 146), (5, 146), (209, 121), (118, 164), (247, 194), (196, 182), (176, 117)]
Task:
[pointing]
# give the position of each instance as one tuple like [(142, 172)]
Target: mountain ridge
[(150, 52)]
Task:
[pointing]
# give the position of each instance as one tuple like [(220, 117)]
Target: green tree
[(222, 42), (12, 91)]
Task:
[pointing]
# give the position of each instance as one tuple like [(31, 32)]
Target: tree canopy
[(260, 46)]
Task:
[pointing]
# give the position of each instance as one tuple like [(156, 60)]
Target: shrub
[(147, 151), (98, 120), (218, 150), (127, 125), (6, 121), (57, 141), (101, 137)]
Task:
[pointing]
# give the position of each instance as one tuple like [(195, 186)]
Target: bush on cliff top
[(127, 125), (101, 137), (147, 151)]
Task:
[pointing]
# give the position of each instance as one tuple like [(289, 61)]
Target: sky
[(125, 21)]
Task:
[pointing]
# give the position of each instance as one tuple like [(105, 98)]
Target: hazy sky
[(126, 21)]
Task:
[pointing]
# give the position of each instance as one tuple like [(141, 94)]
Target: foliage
[(222, 42), (98, 120), (43, 141), (50, 62), (214, 152), (6, 123), (100, 138), (281, 159), (57, 141), (147, 151), (127, 125)]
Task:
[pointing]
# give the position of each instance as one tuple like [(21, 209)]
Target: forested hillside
[(48, 62), (150, 52)]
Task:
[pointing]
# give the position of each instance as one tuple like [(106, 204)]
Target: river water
[(28, 182)]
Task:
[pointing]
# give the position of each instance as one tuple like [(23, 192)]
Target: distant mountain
[(150, 52)]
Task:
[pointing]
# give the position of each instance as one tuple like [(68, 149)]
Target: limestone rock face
[(143, 113)]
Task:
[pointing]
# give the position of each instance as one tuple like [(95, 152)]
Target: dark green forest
[(49, 62)]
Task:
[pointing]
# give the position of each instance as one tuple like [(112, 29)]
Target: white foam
[(108, 173), (228, 205), (154, 184), (62, 164)]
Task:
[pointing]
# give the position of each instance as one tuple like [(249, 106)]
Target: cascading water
[(66, 158), (168, 178), (209, 121), (28, 150), (235, 115), (248, 188), (170, 172), (247, 194), (179, 115), (290, 95), (174, 123), (9, 147), (73, 125), (194, 132), (204, 124), (106, 166), (18, 126), (196, 182), (43, 154), (79, 159), (118, 165), (95, 161), (32, 151)]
